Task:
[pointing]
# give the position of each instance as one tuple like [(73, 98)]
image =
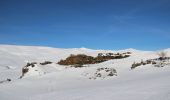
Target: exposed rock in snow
[(4, 81), (103, 73), (32, 69)]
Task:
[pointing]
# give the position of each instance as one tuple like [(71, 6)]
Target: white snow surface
[(56, 82)]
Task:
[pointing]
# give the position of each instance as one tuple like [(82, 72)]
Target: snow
[(56, 82)]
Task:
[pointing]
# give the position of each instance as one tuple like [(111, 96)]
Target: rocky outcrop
[(104, 73), (82, 59)]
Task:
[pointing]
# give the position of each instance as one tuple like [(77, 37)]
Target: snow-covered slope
[(56, 82)]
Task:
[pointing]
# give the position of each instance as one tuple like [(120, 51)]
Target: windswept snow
[(56, 82)]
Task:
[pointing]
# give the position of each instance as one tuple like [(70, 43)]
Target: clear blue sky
[(96, 24)]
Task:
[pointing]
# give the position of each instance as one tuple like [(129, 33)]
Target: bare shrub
[(79, 59), (162, 55)]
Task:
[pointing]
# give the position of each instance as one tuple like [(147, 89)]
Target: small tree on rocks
[(162, 55)]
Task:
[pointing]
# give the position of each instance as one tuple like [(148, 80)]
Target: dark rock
[(46, 62)]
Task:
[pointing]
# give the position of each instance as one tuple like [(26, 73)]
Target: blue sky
[(96, 24)]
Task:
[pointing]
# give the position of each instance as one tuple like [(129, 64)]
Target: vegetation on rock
[(82, 59)]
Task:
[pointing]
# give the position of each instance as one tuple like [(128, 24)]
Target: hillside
[(58, 82)]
